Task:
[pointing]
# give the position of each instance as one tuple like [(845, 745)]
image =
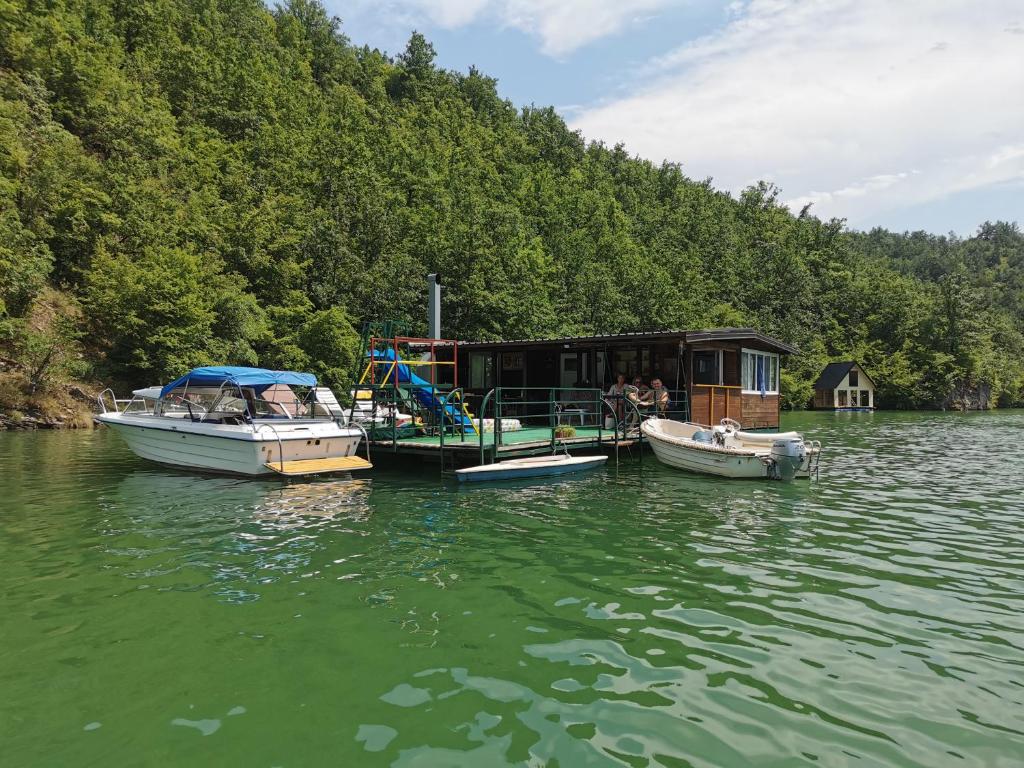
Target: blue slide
[(424, 392)]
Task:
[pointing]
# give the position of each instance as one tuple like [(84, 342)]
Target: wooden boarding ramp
[(319, 466)]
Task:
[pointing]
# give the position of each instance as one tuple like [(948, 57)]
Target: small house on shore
[(844, 386)]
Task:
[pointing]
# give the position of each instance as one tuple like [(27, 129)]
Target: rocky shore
[(39, 420), (69, 408)]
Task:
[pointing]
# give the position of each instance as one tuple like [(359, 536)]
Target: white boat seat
[(325, 397)]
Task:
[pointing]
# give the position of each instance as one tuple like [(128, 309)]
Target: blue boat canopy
[(257, 378)]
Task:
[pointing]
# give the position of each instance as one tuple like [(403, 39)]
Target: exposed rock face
[(65, 409), (967, 396), (35, 420), (81, 395)]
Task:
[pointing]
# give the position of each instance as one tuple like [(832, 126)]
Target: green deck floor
[(584, 435)]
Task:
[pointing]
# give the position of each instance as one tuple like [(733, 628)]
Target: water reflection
[(226, 534), (162, 497)]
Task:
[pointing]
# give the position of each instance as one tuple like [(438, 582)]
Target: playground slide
[(424, 392)]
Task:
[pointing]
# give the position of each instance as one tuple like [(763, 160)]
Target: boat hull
[(538, 467), (745, 455), (706, 462), (229, 450)]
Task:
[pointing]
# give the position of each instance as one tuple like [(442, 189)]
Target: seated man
[(658, 396)]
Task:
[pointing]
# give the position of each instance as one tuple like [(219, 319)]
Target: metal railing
[(366, 439), (603, 419), (115, 401), (552, 411), (280, 443), (447, 410), (462, 416)]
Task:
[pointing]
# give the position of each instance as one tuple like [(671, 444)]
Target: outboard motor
[(786, 458), (718, 435)]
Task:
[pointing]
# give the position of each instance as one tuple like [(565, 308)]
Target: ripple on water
[(634, 616)]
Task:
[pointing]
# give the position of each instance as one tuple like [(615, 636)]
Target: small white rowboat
[(727, 451), (536, 466)]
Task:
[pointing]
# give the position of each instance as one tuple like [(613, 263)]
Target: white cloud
[(882, 104), (450, 13), (562, 26), (565, 25)]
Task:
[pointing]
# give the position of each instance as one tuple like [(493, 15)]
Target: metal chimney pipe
[(434, 305)]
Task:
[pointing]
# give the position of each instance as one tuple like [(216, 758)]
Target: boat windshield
[(234, 404)]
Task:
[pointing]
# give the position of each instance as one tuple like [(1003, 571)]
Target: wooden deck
[(319, 466)]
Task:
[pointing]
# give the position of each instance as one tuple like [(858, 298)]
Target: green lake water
[(635, 616)]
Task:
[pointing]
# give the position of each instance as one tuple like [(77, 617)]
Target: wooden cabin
[(712, 374), (844, 386)]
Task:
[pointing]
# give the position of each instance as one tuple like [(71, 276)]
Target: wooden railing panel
[(710, 403)]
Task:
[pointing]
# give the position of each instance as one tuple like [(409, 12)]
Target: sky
[(905, 114)]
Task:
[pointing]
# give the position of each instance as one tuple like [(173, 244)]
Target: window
[(853, 378), (842, 398), (760, 372), (865, 398), (705, 367), (481, 373)]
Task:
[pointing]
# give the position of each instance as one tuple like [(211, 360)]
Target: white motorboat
[(728, 451), (534, 466), (241, 421)]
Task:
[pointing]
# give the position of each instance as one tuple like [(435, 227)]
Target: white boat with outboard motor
[(240, 421), (728, 451), (534, 466)]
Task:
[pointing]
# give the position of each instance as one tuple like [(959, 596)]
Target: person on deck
[(641, 388), (616, 395), (658, 397)]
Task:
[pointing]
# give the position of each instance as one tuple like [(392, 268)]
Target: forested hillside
[(195, 181)]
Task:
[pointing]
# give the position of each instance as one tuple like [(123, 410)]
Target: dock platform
[(471, 449)]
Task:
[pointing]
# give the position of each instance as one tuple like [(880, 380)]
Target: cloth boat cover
[(257, 378)]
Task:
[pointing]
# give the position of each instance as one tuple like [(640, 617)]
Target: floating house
[(483, 401), (844, 386), (710, 374)]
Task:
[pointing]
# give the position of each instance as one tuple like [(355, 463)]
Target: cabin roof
[(836, 372), (690, 337)]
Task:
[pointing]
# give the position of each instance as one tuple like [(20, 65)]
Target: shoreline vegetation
[(200, 181)]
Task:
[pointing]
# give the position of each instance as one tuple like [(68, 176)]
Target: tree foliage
[(216, 181)]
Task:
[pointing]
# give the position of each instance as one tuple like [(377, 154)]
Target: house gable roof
[(836, 372)]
